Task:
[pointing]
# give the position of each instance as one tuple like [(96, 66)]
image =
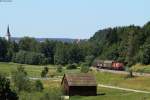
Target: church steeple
[(8, 35)]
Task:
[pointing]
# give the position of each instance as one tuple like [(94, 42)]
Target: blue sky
[(69, 18)]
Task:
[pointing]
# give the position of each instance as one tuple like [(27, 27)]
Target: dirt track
[(119, 88), (124, 72)]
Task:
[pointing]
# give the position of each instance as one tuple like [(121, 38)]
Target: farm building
[(82, 84)]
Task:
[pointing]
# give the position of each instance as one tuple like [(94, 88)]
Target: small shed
[(83, 84)]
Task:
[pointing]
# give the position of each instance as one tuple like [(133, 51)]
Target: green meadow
[(33, 70), (140, 83), (119, 80), (113, 94), (141, 68)]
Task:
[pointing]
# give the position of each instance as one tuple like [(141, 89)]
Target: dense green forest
[(128, 44), (122, 43)]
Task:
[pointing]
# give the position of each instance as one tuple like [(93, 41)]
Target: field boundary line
[(124, 72), (119, 88), (38, 78)]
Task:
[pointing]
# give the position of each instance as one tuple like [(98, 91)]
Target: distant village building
[(82, 84), (8, 35)]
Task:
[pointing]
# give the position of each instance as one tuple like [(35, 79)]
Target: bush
[(130, 72), (39, 86), (44, 72), (52, 94), (146, 55), (72, 66), (84, 68), (89, 59), (21, 80), (59, 69), (52, 74), (5, 89)]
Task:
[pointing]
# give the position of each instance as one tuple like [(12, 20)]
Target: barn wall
[(83, 90), (65, 86)]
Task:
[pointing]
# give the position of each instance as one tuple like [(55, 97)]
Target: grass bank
[(34, 70), (113, 94), (139, 83), (141, 68)]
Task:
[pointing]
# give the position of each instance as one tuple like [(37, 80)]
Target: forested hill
[(130, 44), (115, 42)]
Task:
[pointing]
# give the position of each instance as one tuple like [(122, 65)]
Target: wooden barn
[(82, 84)]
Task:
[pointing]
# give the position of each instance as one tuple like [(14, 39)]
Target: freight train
[(108, 64)]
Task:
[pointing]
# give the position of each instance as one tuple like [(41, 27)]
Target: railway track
[(123, 72)]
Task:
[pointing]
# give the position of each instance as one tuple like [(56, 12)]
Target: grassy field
[(103, 93), (33, 70), (141, 83), (119, 80), (141, 68), (46, 93), (112, 94)]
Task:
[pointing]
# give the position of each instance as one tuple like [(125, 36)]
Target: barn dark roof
[(80, 79)]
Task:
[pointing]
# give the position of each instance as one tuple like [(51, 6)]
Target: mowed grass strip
[(113, 94), (32, 70), (120, 80), (141, 68)]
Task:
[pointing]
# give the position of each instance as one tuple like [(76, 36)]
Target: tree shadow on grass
[(99, 94)]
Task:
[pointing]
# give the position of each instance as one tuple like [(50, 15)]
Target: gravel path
[(38, 78), (53, 79), (119, 88), (123, 72)]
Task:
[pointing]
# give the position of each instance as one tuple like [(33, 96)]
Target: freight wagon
[(108, 64)]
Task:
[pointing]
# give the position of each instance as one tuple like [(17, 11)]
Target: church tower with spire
[(8, 35)]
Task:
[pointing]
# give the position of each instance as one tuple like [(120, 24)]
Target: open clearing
[(104, 93), (33, 70), (113, 94), (141, 68), (120, 80), (110, 80), (125, 89)]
